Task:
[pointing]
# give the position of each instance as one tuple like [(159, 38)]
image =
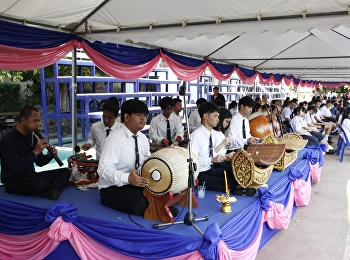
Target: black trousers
[(214, 179), (38, 183), (126, 198)]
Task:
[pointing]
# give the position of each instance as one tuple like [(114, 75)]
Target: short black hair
[(216, 87), (26, 111), (133, 106), (177, 100), (201, 101), (208, 107), (233, 104), (246, 101), (165, 102), (112, 106)]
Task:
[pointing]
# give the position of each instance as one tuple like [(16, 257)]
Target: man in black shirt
[(19, 150), (216, 95)]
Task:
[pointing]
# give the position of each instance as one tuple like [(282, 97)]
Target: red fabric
[(244, 78)]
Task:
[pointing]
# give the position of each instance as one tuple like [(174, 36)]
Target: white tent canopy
[(306, 39)]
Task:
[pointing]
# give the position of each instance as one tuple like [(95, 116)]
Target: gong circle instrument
[(167, 170)]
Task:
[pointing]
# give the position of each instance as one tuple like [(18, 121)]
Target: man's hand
[(86, 147), (228, 156), (218, 159), (40, 146), (136, 180), (164, 141)]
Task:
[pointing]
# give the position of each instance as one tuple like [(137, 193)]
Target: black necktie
[(107, 131), (168, 133), (243, 130), (210, 147), (137, 161)]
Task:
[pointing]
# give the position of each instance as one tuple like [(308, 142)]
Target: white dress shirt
[(158, 128), (118, 157), (346, 127), (298, 123), (310, 119), (97, 135), (286, 112), (218, 137), (200, 147), (194, 121), (324, 111), (234, 131)]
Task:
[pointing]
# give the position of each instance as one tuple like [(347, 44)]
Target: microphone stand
[(189, 219)]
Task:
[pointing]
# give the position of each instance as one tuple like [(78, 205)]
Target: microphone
[(182, 90)]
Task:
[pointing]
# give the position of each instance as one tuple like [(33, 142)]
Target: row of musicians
[(123, 152)]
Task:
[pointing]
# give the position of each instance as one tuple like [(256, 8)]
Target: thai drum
[(259, 126), (167, 170)]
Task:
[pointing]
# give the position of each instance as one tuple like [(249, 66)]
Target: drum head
[(158, 174)]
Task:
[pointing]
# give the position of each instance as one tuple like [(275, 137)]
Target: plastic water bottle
[(75, 170)]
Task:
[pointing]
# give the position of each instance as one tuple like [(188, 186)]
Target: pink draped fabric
[(12, 58), (315, 172), (244, 78), (119, 70), (182, 71), (33, 246), (302, 192), (271, 79), (40, 244), (216, 74), (250, 253), (278, 217)]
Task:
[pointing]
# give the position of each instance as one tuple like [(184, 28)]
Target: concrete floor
[(320, 230)]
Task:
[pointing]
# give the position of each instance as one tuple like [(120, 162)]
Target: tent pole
[(74, 98)]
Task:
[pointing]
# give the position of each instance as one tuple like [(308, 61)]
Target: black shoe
[(245, 192), (330, 142), (333, 151), (51, 194), (174, 211)]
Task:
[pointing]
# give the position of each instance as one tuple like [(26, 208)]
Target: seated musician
[(177, 107), (120, 185), (166, 128), (299, 125), (203, 146), (286, 114), (239, 130), (220, 141), (319, 117), (311, 122), (100, 130), (194, 120), (19, 150)]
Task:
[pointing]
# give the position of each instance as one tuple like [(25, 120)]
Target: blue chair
[(343, 144)]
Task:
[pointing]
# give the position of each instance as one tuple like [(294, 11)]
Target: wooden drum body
[(253, 168), (259, 126), (167, 170)]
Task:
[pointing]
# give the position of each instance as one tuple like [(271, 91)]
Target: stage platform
[(77, 226)]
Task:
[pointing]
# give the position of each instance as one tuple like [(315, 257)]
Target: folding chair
[(343, 144)]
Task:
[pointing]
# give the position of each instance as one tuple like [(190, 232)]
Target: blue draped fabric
[(19, 219), (22, 36), (191, 62), (238, 233), (241, 231), (124, 54), (247, 72), (266, 196), (222, 68)]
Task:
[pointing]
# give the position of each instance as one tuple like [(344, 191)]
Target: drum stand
[(189, 219)]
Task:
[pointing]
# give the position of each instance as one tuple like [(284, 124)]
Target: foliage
[(10, 97)]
